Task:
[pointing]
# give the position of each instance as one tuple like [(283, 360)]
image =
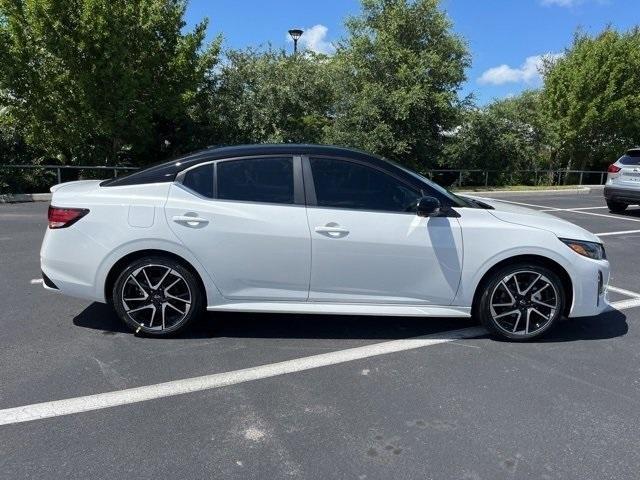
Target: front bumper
[(590, 280), (624, 195)]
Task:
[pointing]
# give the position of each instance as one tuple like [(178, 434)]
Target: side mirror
[(428, 207)]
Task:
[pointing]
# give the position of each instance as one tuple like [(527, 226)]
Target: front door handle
[(190, 220), (332, 230)]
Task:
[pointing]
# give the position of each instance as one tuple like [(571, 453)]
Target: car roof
[(167, 171), (633, 152)]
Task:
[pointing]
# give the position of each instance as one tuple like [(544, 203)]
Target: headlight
[(586, 249)]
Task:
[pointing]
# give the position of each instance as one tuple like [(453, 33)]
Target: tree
[(592, 95), (397, 78), (14, 151), (506, 135), (96, 81), (268, 96)]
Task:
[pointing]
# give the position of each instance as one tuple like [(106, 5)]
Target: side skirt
[(344, 309)]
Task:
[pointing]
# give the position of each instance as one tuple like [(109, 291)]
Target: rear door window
[(263, 180)]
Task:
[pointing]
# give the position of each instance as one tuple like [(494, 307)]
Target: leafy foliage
[(506, 135), (121, 81), (97, 81), (14, 151), (271, 97), (592, 98), (397, 77)]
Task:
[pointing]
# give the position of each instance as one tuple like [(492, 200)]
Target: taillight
[(613, 169), (63, 217)]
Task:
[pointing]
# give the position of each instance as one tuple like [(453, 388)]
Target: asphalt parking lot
[(443, 407)]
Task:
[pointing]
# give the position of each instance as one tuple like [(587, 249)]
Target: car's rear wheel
[(157, 296), (616, 207), (521, 302)]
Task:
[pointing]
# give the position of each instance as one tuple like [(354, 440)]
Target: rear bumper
[(625, 195), (69, 260)]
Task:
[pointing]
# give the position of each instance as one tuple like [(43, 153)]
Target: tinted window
[(200, 180), (343, 184), (256, 180), (630, 160)]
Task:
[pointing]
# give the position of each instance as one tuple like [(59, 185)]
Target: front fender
[(488, 241)]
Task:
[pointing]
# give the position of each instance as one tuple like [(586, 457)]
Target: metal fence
[(486, 178), (446, 177), (60, 168)]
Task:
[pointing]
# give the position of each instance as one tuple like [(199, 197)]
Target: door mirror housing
[(428, 207)]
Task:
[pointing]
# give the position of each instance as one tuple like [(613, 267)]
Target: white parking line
[(623, 232), (571, 209), (626, 304), (617, 217), (35, 281), (100, 401), (521, 203), (546, 208), (69, 406), (633, 302), (622, 291)]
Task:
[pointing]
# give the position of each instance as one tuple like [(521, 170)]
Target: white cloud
[(561, 3), (315, 40), (529, 71), (571, 3)]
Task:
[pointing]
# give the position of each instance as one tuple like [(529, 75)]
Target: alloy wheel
[(524, 302), (156, 297)]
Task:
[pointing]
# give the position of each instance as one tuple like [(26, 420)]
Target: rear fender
[(213, 294)]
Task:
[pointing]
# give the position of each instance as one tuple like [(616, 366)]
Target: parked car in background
[(313, 229), (623, 182)]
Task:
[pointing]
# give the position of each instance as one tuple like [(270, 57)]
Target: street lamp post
[(295, 33)]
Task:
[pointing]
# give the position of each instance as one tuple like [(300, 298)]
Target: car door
[(245, 221), (367, 246)]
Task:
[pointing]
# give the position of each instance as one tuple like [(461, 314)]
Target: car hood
[(520, 215)]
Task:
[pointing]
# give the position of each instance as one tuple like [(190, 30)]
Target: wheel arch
[(543, 261), (122, 263)]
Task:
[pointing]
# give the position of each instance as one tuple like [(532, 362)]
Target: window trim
[(298, 185), (310, 188)]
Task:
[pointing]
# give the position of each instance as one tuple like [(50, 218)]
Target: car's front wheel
[(157, 296), (616, 207), (521, 302)]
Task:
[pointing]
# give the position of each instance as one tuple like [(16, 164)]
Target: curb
[(567, 191), (24, 197)]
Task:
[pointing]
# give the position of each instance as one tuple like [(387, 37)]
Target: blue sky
[(506, 37)]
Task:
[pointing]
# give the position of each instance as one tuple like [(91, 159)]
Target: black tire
[(616, 207), (151, 308), (495, 287)]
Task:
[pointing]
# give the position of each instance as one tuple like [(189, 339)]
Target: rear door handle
[(191, 221), (332, 231)]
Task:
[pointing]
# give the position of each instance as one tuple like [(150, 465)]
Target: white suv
[(623, 182)]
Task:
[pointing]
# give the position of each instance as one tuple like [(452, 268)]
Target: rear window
[(631, 160)]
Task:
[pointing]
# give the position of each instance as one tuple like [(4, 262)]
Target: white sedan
[(313, 229)]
